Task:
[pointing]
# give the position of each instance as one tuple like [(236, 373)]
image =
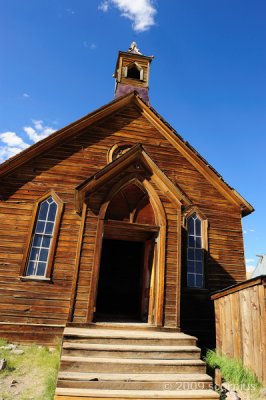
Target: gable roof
[(136, 153), (156, 120)]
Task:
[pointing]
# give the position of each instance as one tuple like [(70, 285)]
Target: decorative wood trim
[(160, 218), (116, 146), (95, 271), (131, 226), (205, 244), (77, 263), (179, 264), (135, 154), (50, 261), (204, 227)]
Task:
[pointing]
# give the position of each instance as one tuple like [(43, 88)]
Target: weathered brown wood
[(171, 173), (240, 327)]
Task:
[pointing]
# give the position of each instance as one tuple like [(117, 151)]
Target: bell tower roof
[(132, 72)]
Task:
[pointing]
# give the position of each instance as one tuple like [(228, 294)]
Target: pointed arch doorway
[(130, 276)]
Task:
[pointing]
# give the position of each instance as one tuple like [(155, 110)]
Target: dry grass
[(34, 373)]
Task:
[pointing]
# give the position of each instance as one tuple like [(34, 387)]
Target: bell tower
[(132, 72)]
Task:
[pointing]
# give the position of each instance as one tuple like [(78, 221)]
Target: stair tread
[(167, 394), (132, 360), (134, 377), (129, 347), (119, 333)]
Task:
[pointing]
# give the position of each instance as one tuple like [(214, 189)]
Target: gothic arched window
[(195, 260), (41, 247)]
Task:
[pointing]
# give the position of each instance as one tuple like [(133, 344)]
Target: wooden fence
[(240, 313)]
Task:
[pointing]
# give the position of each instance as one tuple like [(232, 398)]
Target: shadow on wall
[(197, 308)]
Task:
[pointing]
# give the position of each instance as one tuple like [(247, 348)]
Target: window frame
[(138, 67), (204, 245), (28, 244)]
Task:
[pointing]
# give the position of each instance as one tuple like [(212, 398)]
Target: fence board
[(241, 324)]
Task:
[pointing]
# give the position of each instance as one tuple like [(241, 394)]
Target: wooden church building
[(116, 219)]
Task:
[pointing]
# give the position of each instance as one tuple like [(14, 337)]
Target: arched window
[(38, 259), (195, 262), (133, 72)]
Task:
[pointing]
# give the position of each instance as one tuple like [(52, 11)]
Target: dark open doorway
[(120, 281)]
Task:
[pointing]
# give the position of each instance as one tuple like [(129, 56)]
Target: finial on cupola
[(132, 72), (134, 49)]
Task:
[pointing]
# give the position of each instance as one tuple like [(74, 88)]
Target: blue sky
[(208, 78)]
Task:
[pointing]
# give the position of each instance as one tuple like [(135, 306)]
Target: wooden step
[(93, 364), (89, 394), (118, 336), (134, 381), (121, 325), (123, 363), (130, 351)]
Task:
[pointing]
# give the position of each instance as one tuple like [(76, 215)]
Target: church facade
[(116, 218)]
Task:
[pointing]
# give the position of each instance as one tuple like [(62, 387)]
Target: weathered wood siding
[(62, 169), (240, 314)]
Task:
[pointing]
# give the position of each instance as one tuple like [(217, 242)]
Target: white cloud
[(26, 95), (91, 46), (70, 11), (12, 143), (38, 131), (12, 139), (247, 231), (103, 6), (249, 260), (250, 268), (141, 12)]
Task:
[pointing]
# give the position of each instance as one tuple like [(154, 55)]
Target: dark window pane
[(198, 254), (49, 228), (190, 280), (190, 254), (191, 241), (50, 200), (198, 227), (46, 241), (190, 226), (41, 269), (34, 254), (190, 266), (39, 227), (43, 211), (52, 212), (199, 281), (198, 267), (198, 242), (43, 255), (37, 240), (30, 268)]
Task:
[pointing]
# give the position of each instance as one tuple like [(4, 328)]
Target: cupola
[(132, 72)]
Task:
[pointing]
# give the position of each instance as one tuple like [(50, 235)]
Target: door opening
[(120, 285)]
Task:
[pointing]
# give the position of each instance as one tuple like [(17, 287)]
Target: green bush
[(232, 370)]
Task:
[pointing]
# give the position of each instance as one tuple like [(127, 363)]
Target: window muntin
[(42, 238), (195, 275)]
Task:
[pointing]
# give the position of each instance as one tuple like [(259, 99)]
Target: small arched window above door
[(131, 204), (196, 244)]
